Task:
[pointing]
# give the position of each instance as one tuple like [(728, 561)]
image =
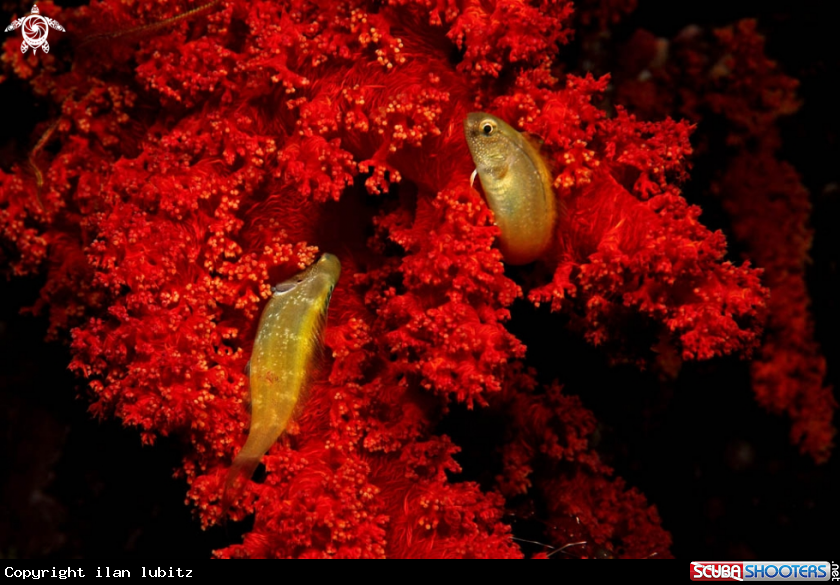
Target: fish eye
[(487, 127)]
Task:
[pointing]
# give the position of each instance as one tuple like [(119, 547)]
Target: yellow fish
[(288, 338), (517, 184)]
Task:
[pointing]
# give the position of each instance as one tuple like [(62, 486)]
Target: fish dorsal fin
[(248, 402), (533, 140), (321, 326)]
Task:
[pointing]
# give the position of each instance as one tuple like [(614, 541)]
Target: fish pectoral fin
[(472, 178)]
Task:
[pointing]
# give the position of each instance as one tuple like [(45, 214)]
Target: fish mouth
[(330, 264)]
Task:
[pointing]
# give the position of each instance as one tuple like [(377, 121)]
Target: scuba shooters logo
[(761, 571), (35, 29), (713, 571)]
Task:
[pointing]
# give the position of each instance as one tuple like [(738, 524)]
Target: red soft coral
[(728, 75), (628, 243), (179, 194)]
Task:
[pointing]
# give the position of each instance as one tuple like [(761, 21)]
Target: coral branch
[(729, 76)]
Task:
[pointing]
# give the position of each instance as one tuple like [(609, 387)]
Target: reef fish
[(517, 184), (288, 338)]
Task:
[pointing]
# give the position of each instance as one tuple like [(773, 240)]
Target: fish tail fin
[(240, 472)]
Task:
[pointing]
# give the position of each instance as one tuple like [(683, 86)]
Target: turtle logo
[(35, 29)]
